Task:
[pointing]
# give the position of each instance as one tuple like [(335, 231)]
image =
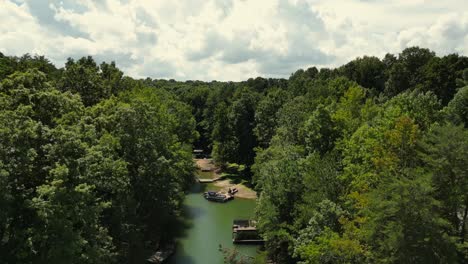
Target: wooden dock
[(208, 180)]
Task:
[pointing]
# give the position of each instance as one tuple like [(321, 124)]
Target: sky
[(228, 39)]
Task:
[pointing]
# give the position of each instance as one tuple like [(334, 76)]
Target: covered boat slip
[(245, 231)]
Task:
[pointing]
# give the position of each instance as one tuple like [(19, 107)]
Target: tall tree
[(445, 151), (266, 115), (83, 77)]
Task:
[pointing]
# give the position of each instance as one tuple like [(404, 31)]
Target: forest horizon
[(363, 163)]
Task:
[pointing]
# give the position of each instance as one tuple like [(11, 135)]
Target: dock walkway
[(208, 180)]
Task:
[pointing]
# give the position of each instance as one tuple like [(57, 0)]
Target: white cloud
[(228, 39)]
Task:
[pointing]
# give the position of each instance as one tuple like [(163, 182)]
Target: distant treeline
[(364, 163)]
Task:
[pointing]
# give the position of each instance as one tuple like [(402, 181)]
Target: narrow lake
[(207, 225)]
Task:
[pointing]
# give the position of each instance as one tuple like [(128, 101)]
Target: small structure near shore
[(245, 231), (199, 154)]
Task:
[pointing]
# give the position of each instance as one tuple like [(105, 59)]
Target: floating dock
[(217, 196)]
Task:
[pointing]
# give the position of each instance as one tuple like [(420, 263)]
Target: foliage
[(77, 183), (365, 163)]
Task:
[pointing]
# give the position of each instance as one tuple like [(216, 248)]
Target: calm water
[(207, 225)]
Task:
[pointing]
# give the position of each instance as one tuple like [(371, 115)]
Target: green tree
[(320, 241), (112, 77), (457, 108), (224, 142), (445, 151), (278, 176), (367, 71), (242, 116), (56, 214), (83, 77), (404, 222), (398, 79), (320, 131), (266, 115)]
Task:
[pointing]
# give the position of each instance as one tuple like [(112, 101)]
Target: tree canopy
[(364, 163)]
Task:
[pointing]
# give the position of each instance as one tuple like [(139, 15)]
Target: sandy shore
[(224, 185)]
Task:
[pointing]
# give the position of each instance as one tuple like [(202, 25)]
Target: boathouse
[(245, 231)]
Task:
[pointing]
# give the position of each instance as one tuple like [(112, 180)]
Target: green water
[(207, 225)]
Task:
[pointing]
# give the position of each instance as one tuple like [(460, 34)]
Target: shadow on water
[(198, 188), (182, 257), (193, 212), (179, 226)]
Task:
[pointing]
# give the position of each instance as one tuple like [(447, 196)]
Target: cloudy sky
[(228, 39)]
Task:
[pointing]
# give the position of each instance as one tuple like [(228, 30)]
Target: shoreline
[(244, 192)]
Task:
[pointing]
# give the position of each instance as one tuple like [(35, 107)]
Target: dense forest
[(93, 165), (363, 163)]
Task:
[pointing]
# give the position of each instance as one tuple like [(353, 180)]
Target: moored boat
[(217, 196), (162, 254)]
